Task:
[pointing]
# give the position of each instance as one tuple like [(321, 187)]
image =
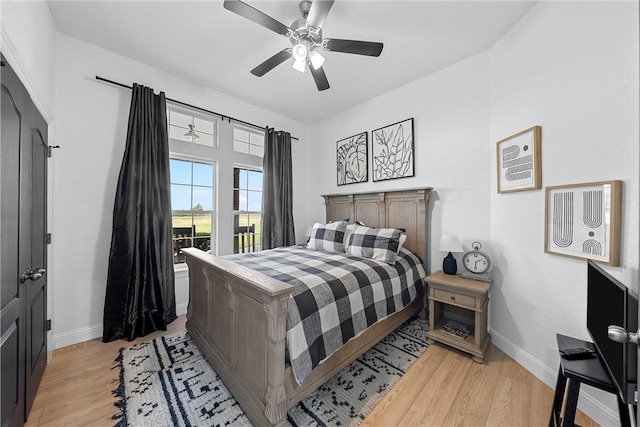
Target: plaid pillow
[(328, 237), (381, 244), (347, 234)]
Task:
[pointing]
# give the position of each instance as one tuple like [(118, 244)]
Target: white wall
[(451, 130), (571, 67), (27, 39), (91, 129)]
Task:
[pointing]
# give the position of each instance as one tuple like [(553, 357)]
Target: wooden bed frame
[(237, 317)]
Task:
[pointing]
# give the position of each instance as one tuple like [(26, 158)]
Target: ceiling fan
[(305, 35)]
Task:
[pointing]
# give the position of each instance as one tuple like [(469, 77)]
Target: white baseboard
[(587, 403), (181, 309), (76, 336), (92, 332)]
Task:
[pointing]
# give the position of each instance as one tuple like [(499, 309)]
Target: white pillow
[(403, 238)]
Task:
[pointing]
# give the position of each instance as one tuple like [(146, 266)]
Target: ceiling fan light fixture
[(299, 52), (191, 136), (300, 66), (316, 59)]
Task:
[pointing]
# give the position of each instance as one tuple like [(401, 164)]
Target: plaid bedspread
[(335, 296)]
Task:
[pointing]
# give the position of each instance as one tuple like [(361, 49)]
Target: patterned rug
[(168, 382)]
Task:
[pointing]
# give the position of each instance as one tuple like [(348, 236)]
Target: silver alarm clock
[(476, 264)]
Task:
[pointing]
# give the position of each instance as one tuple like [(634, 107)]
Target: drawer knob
[(453, 297)]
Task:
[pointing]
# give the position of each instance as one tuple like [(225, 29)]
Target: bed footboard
[(237, 318)]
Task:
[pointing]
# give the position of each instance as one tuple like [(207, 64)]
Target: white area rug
[(168, 382)]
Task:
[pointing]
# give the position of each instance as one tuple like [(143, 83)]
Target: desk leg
[(571, 403), (558, 396), (625, 420)]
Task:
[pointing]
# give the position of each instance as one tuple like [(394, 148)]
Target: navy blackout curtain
[(277, 191), (140, 296)]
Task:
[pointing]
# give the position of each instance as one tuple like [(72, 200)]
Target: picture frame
[(583, 221), (352, 159), (519, 162), (392, 151)]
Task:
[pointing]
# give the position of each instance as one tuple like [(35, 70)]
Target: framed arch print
[(583, 221), (519, 161)]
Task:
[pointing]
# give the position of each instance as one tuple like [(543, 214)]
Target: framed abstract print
[(583, 221), (519, 161)]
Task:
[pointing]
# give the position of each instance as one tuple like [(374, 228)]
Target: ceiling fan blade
[(353, 46), (319, 77), (272, 62), (318, 12), (253, 14)]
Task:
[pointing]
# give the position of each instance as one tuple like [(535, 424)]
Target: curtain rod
[(184, 104)]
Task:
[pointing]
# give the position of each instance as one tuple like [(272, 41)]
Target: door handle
[(620, 334), (32, 274)]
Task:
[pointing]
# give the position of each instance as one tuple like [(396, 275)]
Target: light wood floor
[(443, 388)]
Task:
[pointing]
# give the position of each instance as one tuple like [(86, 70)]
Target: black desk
[(589, 371)]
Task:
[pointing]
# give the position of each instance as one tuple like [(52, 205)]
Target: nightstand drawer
[(454, 298)]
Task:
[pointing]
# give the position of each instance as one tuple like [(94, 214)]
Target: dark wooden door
[(23, 303), (34, 230), (12, 336)]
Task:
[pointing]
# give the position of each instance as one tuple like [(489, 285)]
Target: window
[(191, 205), (247, 208), (186, 125), (248, 141)]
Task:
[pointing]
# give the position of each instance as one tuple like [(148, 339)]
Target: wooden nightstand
[(466, 301)]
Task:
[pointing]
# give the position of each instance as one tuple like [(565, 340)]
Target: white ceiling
[(205, 43)]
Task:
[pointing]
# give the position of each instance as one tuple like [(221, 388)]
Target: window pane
[(182, 224), (243, 179), (180, 119), (176, 132), (257, 151), (257, 139), (255, 201), (205, 139), (180, 171), (180, 197), (202, 223), (202, 199), (202, 174), (243, 201), (254, 180), (203, 126), (240, 135), (241, 147)]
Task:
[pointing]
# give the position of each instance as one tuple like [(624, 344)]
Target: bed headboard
[(405, 209)]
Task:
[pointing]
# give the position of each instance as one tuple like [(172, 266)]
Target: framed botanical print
[(519, 162), (352, 159), (583, 221), (392, 151)]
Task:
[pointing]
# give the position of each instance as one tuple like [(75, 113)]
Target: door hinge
[(48, 324), (48, 238), (50, 150)]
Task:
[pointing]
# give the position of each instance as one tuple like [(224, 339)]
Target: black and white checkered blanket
[(335, 296)]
